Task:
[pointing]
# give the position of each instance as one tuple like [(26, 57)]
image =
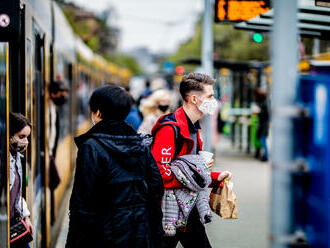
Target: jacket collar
[(182, 120), (193, 128), (179, 119), (107, 127), (18, 155)]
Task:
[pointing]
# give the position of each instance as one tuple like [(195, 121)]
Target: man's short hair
[(113, 102), (194, 82)]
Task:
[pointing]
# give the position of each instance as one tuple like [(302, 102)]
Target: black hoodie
[(116, 192)]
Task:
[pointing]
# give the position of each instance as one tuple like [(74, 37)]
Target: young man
[(177, 134)]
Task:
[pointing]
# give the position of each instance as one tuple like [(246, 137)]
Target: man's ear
[(99, 114), (193, 99)]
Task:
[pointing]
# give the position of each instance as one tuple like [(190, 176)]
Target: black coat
[(263, 125), (117, 190)]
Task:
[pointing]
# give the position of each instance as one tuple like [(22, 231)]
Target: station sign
[(239, 10)]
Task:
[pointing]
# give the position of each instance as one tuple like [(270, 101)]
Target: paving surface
[(251, 180)]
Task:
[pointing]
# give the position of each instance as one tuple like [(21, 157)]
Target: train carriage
[(38, 46)]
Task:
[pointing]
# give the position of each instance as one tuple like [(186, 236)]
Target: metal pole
[(207, 63), (316, 47), (285, 59)]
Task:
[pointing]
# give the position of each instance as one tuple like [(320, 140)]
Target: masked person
[(156, 105), (177, 134), (19, 131), (58, 94), (117, 189)]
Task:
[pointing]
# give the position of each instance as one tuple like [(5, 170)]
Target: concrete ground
[(252, 186), (251, 180)]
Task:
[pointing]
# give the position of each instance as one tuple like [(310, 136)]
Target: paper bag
[(223, 201)]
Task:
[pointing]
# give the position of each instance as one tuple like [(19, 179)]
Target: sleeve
[(214, 177), (156, 192), (85, 182), (25, 210), (154, 178), (163, 150)]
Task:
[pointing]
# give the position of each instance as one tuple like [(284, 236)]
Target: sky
[(160, 25)]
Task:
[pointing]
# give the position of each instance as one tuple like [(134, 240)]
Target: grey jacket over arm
[(192, 171)]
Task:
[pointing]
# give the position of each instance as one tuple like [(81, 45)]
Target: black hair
[(56, 86), (17, 122), (147, 84), (113, 102), (194, 82), (260, 95)]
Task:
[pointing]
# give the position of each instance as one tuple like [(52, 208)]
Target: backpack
[(148, 139)]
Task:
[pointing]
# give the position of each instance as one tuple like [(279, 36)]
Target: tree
[(229, 43)]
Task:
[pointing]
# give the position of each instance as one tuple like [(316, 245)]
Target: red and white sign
[(4, 20)]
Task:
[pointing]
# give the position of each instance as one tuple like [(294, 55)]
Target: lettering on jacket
[(166, 158)]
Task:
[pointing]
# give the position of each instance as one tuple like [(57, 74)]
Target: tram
[(37, 45)]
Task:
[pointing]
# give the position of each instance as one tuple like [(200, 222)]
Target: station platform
[(252, 183)]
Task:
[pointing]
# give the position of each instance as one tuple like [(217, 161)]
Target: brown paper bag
[(223, 201)]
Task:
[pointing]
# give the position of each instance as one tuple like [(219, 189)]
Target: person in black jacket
[(118, 188), (263, 122)]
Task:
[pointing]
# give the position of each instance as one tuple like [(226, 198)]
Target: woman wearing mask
[(117, 189), (20, 129), (156, 105)]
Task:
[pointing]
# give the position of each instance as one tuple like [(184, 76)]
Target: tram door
[(38, 140), (4, 177)]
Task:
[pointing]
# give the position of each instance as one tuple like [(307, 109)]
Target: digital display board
[(322, 3), (239, 10)]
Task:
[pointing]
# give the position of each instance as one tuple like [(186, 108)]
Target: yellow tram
[(37, 45)]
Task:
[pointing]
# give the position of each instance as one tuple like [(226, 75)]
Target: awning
[(313, 21)]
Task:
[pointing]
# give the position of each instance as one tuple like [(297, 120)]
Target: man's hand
[(224, 174), (210, 164), (29, 224)]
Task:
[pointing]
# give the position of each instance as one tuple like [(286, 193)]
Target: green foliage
[(95, 33), (94, 43), (229, 43)]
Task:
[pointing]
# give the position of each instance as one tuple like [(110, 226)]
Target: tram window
[(38, 84), (28, 98), (63, 68), (38, 139), (83, 94), (3, 145)]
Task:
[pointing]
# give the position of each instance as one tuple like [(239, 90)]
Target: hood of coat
[(115, 136)]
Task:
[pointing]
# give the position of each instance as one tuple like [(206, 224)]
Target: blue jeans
[(264, 146)]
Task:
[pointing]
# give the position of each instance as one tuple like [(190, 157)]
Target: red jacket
[(163, 147)]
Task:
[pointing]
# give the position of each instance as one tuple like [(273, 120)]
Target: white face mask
[(208, 107)]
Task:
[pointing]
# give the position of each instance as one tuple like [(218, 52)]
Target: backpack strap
[(178, 141)]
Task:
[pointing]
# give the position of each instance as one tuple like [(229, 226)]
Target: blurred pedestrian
[(133, 118), (177, 134), (147, 90), (117, 189), (19, 131), (58, 96), (156, 105), (145, 93), (263, 122)]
